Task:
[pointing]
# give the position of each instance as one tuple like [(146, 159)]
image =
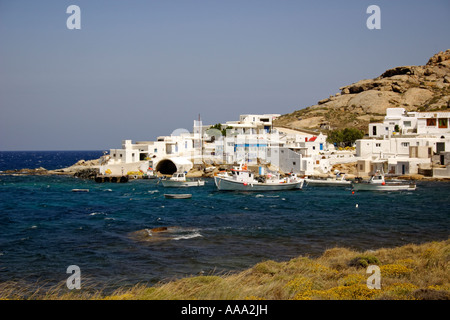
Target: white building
[(253, 123), (252, 139), (398, 121), (404, 142)]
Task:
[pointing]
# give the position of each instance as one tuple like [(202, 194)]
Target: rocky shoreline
[(89, 169), (81, 169)]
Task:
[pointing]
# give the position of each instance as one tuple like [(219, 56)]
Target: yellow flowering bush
[(400, 290), (352, 279), (352, 292), (394, 270), (299, 284)]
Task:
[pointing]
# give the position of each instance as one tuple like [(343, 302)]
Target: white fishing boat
[(378, 183), (329, 182), (179, 180), (242, 179), (151, 174), (178, 195)]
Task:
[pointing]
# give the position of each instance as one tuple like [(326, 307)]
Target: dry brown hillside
[(415, 88)]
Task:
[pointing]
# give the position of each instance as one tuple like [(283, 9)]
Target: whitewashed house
[(252, 139), (398, 121), (404, 142)]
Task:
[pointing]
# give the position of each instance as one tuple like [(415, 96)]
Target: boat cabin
[(243, 175), (179, 176), (377, 178)]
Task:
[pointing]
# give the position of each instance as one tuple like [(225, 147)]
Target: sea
[(106, 232)]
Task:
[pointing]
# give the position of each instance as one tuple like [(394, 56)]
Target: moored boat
[(338, 181), (242, 179), (178, 195), (150, 174), (378, 183), (179, 180)]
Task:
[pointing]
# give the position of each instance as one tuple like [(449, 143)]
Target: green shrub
[(364, 261)]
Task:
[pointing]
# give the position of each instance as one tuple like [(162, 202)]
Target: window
[(405, 144), (431, 122), (156, 150), (443, 123), (378, 145), (407, 123)]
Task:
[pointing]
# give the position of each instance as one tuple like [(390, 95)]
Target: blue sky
[(140, 69)]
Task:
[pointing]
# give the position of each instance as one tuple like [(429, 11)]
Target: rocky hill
[(415, 88)]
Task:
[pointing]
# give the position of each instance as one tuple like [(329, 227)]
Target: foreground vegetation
[(410, 272)]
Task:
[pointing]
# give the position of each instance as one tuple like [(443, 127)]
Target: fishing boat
[(150, 174), (179, 180), (378, 183), (178, 195), (242, 179), (328, 182), (80, 190)]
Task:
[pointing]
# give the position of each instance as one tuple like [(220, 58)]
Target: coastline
[(89, 168), (408, 272)]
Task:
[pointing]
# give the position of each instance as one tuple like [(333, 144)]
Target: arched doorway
[(166, 167)]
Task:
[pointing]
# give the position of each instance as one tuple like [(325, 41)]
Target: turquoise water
[(44, 227)]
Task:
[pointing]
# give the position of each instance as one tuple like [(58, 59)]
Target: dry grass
[(409, 272)]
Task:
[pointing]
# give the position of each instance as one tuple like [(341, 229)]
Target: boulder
[(416, 96), (408, 70), (373, 101), (439, 57)]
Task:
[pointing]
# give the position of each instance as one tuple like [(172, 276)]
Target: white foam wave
[(96, 213), (188, 236)]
